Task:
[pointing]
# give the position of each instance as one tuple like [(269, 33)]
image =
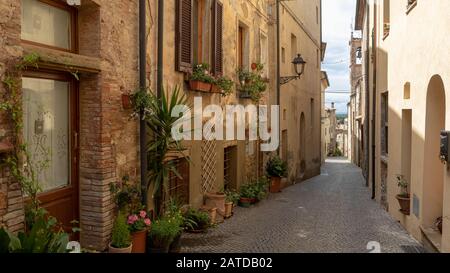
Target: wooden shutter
[(217, 40), (183, 36)]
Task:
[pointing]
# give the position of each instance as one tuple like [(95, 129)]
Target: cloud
[(338, 17)]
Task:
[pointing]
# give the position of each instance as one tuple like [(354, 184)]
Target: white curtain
[(46, 130)]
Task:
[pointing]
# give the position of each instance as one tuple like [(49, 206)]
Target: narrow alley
[(329, 213)]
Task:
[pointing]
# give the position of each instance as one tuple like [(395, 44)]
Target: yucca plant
[(160, 123)]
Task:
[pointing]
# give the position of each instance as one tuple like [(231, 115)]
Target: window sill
[(54, 59), (411, 7)]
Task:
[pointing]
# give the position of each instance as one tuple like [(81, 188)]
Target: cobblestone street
[(329, 213)]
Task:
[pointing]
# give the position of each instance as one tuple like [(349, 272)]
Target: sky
[(338, 18)]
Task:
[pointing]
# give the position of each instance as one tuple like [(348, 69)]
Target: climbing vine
[(19, 162)]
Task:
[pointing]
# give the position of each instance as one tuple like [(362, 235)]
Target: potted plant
[(127, 101), (247, 196), (404, 198), (251, 83), (162, 234), (201, 80), (232, 199), (216, 200), (175, 214), (121, 238), (223, 85), (139, 225), (196, 221), (276, 169)]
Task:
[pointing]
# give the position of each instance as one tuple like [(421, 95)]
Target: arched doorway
[(434, 170), (302, 145)]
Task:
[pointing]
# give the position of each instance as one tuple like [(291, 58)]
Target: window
[(386, 17), (284, 143), (283, 54), (294, 50), (178, 185), (407, 91), (243, 58), (385, 123), (199, 40), (50, 24), (230, 168), (264, 55), (312, 106)]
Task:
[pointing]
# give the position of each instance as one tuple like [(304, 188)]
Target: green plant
[(276, 167), (255, 190), (225, 84), (45, 236), (232, 196), (403, 185), (201, 73), (252, 82), (163, 232), (121, 237), (160, 125), (142, 100), (127, 196), (196, 220), (138, 221)]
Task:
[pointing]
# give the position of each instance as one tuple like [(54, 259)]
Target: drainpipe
[(374, 106), (278, 72), (160, 57), (142, 85), (367, 100)]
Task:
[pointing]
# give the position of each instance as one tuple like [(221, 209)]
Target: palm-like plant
[(160, 123)]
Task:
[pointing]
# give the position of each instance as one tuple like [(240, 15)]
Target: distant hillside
[(341, 116)]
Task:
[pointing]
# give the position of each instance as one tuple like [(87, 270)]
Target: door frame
[(74, 122)]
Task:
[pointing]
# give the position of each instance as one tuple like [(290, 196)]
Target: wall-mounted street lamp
[(299, 65)]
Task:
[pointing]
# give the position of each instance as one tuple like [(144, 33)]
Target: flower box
[(200, 86)]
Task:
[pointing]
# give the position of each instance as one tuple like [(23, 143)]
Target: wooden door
[(50, 105)]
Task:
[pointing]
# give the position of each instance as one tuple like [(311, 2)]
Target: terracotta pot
[(216, 200), (139, 241), (120, 250), (405, 204), (246, 202), (126, 101), (200, 86), (229, 209), (216, 89), (275, 184), (213, 215)]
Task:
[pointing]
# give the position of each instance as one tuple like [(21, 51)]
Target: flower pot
[(200, 86), (175, 246), (405, 204), (246, 202), (114, 250), (275, 184), (139, 241), (126, 101), (216, 89), (213, 215), (229, 209), (216, 200)]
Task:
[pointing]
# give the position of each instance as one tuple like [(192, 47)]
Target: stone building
[(88, 59), (407, 81), (325, 83), (301, 100), (329, 127)]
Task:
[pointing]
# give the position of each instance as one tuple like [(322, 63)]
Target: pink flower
[(147, 222), (143, 214), (132, 219)]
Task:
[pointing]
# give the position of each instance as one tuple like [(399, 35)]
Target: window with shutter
[(183, 52), (217, 41)]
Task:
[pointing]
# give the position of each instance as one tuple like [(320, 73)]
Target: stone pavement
[(332, 212)]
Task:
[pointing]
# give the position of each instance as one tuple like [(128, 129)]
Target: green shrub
[(225, 84), (256, 189), (121, 237), (44, 236), (232, 196), (276, 167), (196, 220), (163, 232)]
